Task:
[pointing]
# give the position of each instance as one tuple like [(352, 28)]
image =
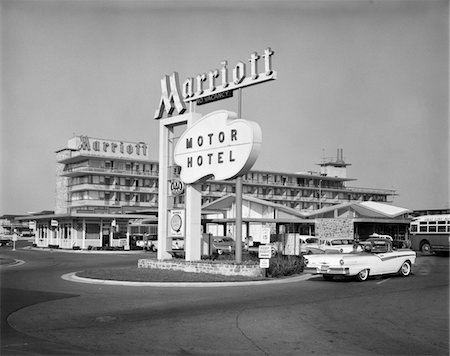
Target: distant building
[(431, 212), (107, 193)]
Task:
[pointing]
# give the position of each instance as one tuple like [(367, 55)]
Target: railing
[(370, 190), (88, 169), (98, 202), (111, 187)]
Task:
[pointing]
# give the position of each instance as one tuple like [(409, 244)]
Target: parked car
[(5, 240), (151, 244), (308, 245), (222, 244), (333, 245), (377, 258)]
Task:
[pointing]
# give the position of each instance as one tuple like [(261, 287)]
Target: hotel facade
[(107, 194)]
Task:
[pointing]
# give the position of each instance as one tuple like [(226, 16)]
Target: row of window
[(118, 181), (116, 196), (431, 227), (119, 165), (288, 180)]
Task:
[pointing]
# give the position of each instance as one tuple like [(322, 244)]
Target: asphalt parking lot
[(43, 314)]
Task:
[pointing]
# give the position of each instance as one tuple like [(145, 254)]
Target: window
[(92, 231), (441, 228)]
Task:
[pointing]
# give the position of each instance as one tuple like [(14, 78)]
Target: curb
[(83, 251), (71, 277), (13, 264)]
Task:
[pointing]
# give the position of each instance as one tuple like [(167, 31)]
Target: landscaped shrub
[(246, 257), (285, 266)]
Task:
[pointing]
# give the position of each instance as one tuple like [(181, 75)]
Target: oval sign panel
[(218, 145)]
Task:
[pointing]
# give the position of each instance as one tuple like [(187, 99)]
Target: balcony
[(105, 203), (111, 188), (80, 171)]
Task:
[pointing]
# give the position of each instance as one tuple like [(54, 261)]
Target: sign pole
[(238, 237)]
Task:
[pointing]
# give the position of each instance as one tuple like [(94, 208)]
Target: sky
[(370, 77)]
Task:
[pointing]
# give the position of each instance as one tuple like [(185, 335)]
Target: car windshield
[(224, 239), (375, 247), (311, 241)]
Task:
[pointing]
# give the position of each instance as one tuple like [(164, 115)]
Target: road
[(383, 316)]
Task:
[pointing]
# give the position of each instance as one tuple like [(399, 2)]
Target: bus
[(430, 233)]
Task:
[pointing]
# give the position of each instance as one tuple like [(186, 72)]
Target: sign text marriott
[(213, 82)]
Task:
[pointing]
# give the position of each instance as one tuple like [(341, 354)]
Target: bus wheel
[(425, 248)]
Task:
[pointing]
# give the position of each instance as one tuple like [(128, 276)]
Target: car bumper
[(338, 271)]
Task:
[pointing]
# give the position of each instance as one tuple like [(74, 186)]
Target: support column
[(238, 237), (83, 241), (193, 238), (164, 132), (166, 127), (127, 245)]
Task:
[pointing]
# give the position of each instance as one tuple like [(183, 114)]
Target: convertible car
[(377, 258)]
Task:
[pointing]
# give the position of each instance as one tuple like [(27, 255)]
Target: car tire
[(425, 248), (405, 269), (327, 277), (363, 275)]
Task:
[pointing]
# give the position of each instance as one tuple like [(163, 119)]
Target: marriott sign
[(211, 83)]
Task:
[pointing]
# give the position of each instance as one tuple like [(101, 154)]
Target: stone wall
[(340, 227), (226, 269)]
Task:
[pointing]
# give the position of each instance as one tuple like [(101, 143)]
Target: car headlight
[(341, 262), (306, 261)]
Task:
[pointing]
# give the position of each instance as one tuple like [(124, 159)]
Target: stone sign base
[(226, 269)]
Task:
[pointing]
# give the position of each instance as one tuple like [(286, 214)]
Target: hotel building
[(107, 192)]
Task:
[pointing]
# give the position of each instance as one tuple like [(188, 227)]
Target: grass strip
[(134, 274)]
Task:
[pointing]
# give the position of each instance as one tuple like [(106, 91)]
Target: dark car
[(222, 244)]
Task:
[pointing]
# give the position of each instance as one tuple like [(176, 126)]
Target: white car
[(378, 258), (308, 244), (336, 245)]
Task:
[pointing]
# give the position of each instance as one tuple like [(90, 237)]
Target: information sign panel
[(264, 251), (264, 263), (265, 236)]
